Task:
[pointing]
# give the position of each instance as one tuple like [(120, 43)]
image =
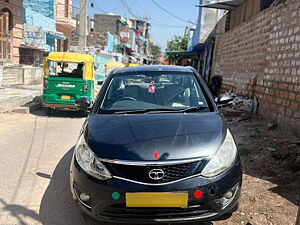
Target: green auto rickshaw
[(68, 78)]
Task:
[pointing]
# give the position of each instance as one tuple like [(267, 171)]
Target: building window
[(66, 43), (266, 4), (59, 45), (5, 35), (30, 56)]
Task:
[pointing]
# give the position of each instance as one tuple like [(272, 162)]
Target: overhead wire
[(129, 9), (172, 14), (167, 25)]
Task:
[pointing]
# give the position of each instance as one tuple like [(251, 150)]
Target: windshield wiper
[(163, 110), (160, 110), (193, 109)]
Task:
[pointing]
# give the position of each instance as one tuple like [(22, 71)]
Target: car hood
[(169, 136)]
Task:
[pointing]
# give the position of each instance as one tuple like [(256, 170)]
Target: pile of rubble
[(241, 109), (282, 146)]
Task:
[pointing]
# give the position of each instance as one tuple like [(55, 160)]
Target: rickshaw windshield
[(66, 69)]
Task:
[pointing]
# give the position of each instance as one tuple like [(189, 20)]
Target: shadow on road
[(19, 212), (58, 113), (57, 206)]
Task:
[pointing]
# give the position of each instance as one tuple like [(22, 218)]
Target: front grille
[(155, 213), (141, 173)]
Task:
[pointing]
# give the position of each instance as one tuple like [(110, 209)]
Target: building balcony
[(64, 16)]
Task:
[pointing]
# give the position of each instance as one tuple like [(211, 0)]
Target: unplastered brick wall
[(262, 58), (279, 86), (242, 53)]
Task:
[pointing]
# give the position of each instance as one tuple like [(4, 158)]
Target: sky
[(164, 26)]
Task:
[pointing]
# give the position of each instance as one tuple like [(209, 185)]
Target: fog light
[(84, 197), (228, 194)]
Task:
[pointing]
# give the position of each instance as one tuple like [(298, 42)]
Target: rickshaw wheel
[(48, 111), (84, 113)]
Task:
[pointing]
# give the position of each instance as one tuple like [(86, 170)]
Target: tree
[(178, 43), (155, 50)]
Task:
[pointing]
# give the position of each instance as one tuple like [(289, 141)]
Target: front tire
[(84, 113)]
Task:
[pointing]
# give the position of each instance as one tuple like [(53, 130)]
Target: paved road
[(35, 157), (35, 154)]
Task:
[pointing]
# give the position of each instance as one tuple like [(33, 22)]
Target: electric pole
[(82, 27)]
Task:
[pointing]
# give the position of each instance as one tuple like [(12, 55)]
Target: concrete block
[(22, 110)]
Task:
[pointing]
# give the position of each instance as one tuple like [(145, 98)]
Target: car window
[(66, 69), (156, 90)]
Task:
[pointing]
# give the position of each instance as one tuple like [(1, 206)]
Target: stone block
[(22, 110)]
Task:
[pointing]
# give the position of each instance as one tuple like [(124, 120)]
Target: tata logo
[(156, 174)]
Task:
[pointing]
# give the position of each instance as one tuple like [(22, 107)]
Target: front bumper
[(103, 207)]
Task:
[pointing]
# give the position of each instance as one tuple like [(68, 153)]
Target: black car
[(155, 148)]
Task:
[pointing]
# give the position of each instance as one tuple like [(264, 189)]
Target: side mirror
[(83, 103), (224, 100)]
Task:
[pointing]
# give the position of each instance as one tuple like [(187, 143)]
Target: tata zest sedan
[(155, 148)]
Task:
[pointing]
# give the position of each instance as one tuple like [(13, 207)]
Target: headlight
[(223, 159), (89, 162)]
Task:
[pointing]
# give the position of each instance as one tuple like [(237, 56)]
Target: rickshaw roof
[(70, 57), (114, 64)]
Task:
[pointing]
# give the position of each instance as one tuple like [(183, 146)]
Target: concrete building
[(39, 31), (109, 33), (209, 19), (11, 20), (107, 23), (256, 50), (65, 22)]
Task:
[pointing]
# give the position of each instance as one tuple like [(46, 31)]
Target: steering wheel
[(127, 98)]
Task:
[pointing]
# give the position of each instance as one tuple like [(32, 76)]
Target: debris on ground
[(242, 108), (271, 179), (272, 126), (258, 220), (269, 149)]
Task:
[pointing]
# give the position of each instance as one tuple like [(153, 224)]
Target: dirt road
[(271, 183)]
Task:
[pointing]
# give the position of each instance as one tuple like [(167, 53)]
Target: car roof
[(152, 68)]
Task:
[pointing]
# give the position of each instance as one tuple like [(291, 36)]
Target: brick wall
[(106, 23), (262, 58)]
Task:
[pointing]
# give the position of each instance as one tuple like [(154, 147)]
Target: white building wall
[(210, 17)]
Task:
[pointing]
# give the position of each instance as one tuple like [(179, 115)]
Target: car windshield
[(153, 91)]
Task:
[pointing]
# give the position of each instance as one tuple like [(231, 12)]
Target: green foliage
[(155, 50), (178, 43)]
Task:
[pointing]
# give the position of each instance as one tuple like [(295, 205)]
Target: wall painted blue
[(37, 19), (44, 7), (40, 14)]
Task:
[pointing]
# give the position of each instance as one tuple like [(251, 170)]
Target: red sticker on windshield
[(151, 88), (155, 154)]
